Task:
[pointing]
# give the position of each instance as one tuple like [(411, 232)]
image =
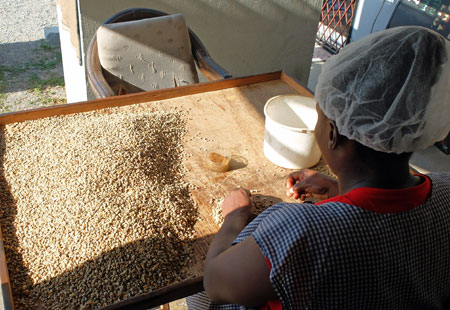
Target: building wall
[(74, 73), (245, 37)]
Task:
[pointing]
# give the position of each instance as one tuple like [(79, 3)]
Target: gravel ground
[(31, 72)]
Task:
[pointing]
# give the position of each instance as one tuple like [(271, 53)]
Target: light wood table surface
[(225, 116)]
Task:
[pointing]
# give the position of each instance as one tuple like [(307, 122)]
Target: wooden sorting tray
[(227, 115)]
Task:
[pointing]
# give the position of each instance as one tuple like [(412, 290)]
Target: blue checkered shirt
[(339, 256)]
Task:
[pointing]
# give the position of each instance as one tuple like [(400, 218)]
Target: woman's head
[(389, 91)]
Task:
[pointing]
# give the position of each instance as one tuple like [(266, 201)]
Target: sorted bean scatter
[(216, 208), (94, 207), (260, 203)]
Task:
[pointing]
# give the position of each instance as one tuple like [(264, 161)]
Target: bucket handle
[(306, 131)]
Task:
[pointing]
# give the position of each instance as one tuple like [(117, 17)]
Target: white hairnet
[(390, 91)]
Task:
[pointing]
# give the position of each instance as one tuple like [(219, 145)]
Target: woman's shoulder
[(441, 179), (285, 210), (440, 186), (302, 218), (285, 218)]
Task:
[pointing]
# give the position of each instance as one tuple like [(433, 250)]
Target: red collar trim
[(382, 200)]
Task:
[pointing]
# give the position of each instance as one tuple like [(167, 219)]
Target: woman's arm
[(236, 274)]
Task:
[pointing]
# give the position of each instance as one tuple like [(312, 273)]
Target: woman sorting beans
[(382, 238)]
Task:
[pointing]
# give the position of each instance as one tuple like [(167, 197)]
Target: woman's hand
[(236, 274), (238, 201), (310, 183)]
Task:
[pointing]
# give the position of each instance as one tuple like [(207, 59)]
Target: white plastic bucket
[(289, 139)]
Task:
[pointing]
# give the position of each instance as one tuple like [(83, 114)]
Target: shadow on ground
[(29, 65)]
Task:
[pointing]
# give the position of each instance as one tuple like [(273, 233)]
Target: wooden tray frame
[(184, 288), (118, 101)]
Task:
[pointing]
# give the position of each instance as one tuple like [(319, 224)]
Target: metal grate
[(336, 23)]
